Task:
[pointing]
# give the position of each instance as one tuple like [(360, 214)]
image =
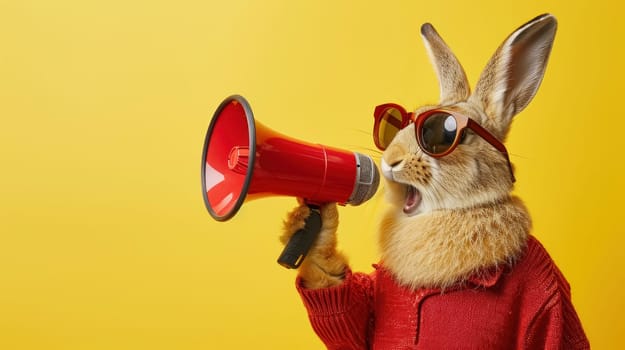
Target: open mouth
[(413, 199)]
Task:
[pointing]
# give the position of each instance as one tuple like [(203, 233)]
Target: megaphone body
[(244, 160)]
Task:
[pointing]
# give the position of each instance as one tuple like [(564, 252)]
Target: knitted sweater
[(524, 307)]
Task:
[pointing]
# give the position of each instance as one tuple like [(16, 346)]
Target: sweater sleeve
[(557, 326), (341, 315)]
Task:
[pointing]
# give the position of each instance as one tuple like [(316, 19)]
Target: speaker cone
[(228, 158)]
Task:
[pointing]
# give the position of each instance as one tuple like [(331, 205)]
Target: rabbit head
[(475, 173)]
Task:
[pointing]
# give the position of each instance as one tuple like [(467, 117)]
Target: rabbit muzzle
[(412, 196)]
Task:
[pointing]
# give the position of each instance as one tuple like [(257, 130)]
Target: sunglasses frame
[(462, 123)]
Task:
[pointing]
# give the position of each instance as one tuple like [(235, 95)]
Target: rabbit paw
[(323, 266), (294, 222)]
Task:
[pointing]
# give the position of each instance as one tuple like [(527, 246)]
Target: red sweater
[(524, 307)]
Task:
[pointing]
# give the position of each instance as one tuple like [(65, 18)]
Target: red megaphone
[(244, 160)]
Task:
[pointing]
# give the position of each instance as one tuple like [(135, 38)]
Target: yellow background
[(104, 239)]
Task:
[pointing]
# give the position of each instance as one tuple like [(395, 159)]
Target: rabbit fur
[(467, 220)]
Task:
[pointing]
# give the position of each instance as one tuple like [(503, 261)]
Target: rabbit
[(458, 266)]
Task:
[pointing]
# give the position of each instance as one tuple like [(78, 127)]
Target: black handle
[(299, 244)]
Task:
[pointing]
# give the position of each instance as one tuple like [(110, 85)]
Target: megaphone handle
[(299, 244)]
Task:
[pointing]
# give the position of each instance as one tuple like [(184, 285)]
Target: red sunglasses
[(438, 131)]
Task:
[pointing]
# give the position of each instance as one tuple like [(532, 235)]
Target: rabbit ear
[(514, 73), (452, 80)]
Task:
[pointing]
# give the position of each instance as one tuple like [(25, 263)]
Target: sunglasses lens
[(390, 124), (438, 133)]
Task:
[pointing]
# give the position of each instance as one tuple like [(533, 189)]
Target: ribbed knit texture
[(340, 315), (524, 307), (556, 325)]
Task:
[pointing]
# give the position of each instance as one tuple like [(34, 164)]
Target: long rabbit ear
[(514, 73), (451, 77)]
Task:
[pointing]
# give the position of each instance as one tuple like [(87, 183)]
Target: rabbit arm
[(341, 315), (557, 326), (549, 318)]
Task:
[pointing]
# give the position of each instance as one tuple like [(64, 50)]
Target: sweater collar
[(486, 278)]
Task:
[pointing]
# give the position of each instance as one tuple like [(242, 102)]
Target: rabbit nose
[(396, 163), (387, 170), (392, 159)]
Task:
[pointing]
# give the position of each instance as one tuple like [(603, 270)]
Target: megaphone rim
[(251, 128)]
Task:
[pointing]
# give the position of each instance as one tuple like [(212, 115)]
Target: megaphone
[(244, 160)]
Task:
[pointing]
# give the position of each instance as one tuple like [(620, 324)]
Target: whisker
[(438, 188), (367, 149), (518, 156), (438, 196), (362, 131)]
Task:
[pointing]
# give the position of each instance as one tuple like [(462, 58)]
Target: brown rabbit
[(459, 268)]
